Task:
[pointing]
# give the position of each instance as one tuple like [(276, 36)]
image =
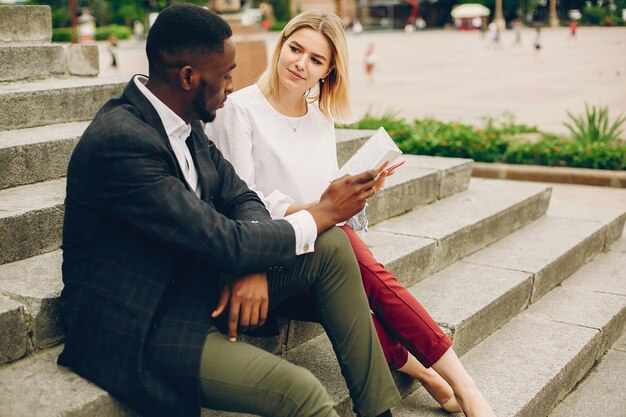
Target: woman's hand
[(384, 173)]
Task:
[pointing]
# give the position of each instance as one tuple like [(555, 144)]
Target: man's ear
[(185, 77)]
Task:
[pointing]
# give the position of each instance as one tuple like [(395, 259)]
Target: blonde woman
[(279, 136)]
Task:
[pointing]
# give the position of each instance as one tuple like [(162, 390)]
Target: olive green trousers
[(236, 376)]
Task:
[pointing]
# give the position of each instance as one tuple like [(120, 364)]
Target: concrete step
[(25, 24), (37, 154), (527, 366), (35, 283), (40, 103), (477, 295), (420, 181), (601, 393), (31, 61), (27, 61), (31, 217), (455, 227), (37, 387)]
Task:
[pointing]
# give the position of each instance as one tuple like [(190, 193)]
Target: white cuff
[(306, 231)]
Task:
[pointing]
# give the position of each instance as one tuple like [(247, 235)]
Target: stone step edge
[(564, 175), (40, 103), (24, 62)]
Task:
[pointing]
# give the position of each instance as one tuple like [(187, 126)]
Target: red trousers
[(401, 321)]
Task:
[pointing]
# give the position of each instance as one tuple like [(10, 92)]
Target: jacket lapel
[(151, 117), (200, 153)]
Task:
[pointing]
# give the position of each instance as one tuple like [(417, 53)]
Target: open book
[(377, 150)]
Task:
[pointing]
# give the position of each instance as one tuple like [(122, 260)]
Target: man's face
[(215, 82)]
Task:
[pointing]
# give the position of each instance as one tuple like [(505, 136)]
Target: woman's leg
[(399, 312), (408, 322), (468, 396)]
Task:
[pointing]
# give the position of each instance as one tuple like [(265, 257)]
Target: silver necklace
[(292, 127)]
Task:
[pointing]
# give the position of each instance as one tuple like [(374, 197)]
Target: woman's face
[(305, 57)]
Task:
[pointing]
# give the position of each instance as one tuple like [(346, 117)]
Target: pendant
[(294, 129)]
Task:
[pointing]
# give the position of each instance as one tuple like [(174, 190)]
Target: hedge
[(102, 33), (493, 143)]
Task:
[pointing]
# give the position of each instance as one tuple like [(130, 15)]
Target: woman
[(279, 136)]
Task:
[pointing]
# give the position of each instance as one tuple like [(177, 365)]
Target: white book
[(377, 150)]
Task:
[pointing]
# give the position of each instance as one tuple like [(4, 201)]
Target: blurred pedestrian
[(370, 62), (537, 41), (517, 30), (113, 50), (494, 33), (138, 30), (573, 25)]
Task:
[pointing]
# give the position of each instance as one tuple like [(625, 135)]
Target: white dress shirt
[(178, 131)]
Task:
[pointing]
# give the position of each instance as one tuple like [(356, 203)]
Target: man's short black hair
[(181, 31)]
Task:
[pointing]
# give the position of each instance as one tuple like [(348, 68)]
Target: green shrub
[(552, 151), (594, 125), (103, 32), (278, 26), (594, 15), (491, 144), (62, 35)]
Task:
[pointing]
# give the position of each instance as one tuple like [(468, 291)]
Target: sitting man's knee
[(334, 242)]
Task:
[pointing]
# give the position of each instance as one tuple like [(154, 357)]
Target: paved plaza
[(455, 75)]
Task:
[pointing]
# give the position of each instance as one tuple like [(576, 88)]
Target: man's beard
[(203, 114)]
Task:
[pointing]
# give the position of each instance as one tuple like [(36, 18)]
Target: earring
[(322, 80)]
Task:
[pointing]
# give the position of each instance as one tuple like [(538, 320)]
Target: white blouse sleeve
[(232, 133)]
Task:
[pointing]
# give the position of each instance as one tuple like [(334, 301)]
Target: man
[(155, 219)]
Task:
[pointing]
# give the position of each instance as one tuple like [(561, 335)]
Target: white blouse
[(283, 167)]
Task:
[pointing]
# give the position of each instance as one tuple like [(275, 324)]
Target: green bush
[(278, 26), (594, 125), (62, 35), (102, 33), (492, 143), (552, 151), (594, 15)]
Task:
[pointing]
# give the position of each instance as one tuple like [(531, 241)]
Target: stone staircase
[(532, 293)]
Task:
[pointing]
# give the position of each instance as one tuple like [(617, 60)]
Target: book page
[(378, 149)]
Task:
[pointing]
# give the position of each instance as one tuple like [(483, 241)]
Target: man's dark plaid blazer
[(142, 255)]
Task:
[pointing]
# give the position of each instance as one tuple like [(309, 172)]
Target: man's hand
[(343, 198), (249, 302)]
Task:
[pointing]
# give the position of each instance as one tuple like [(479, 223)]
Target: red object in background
[(415, 9)]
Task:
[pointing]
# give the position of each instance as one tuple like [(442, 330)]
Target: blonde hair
[(332, 94)]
